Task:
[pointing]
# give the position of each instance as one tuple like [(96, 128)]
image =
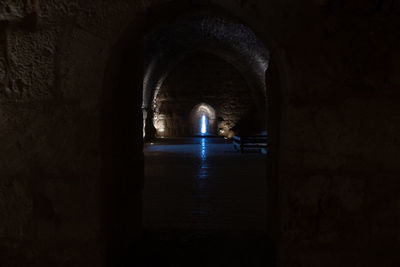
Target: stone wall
[(338, 64), (53, 56), (339, 143), (204, 78)]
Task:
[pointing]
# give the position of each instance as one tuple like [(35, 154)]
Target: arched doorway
[(179, 197), (203, 120), (121, 107)]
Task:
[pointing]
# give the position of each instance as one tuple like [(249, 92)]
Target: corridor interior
[(117, 119), (203, 200), (204, 203), (207, 205)]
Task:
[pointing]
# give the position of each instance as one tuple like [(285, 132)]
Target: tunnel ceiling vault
[(159, 70), (231, 41)]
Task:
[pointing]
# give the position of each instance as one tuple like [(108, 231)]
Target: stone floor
[(204, 205)]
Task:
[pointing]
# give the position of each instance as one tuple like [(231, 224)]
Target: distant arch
[(195, 118), (122, 119)]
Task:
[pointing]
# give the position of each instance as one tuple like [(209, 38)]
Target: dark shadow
[(125, 242)]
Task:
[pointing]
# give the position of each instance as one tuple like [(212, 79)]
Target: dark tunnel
[(199, 133)]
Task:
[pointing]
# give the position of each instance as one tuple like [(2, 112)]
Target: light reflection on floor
[(203, 184), (204, 205), (203, 156)]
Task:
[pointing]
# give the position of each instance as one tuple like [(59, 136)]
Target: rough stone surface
[(339, 125), (204, 78), (232, 41)]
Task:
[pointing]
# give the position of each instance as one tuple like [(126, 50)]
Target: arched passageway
[(192, 187), (205, 78), (192, 48), (203, 120), (72, 107), (118, 114)]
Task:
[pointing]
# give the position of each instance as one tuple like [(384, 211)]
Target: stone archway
[(123, 121), (196, 117), (224, 38)]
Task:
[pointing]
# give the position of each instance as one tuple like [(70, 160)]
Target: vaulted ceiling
[(231, 41)]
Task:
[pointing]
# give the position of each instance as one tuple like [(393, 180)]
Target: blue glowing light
[(203, 125), (203, 171), (203, 154)]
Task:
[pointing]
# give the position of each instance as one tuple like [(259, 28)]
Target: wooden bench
[(242, 142)]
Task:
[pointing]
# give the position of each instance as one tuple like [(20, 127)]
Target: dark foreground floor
[(204, 205)]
